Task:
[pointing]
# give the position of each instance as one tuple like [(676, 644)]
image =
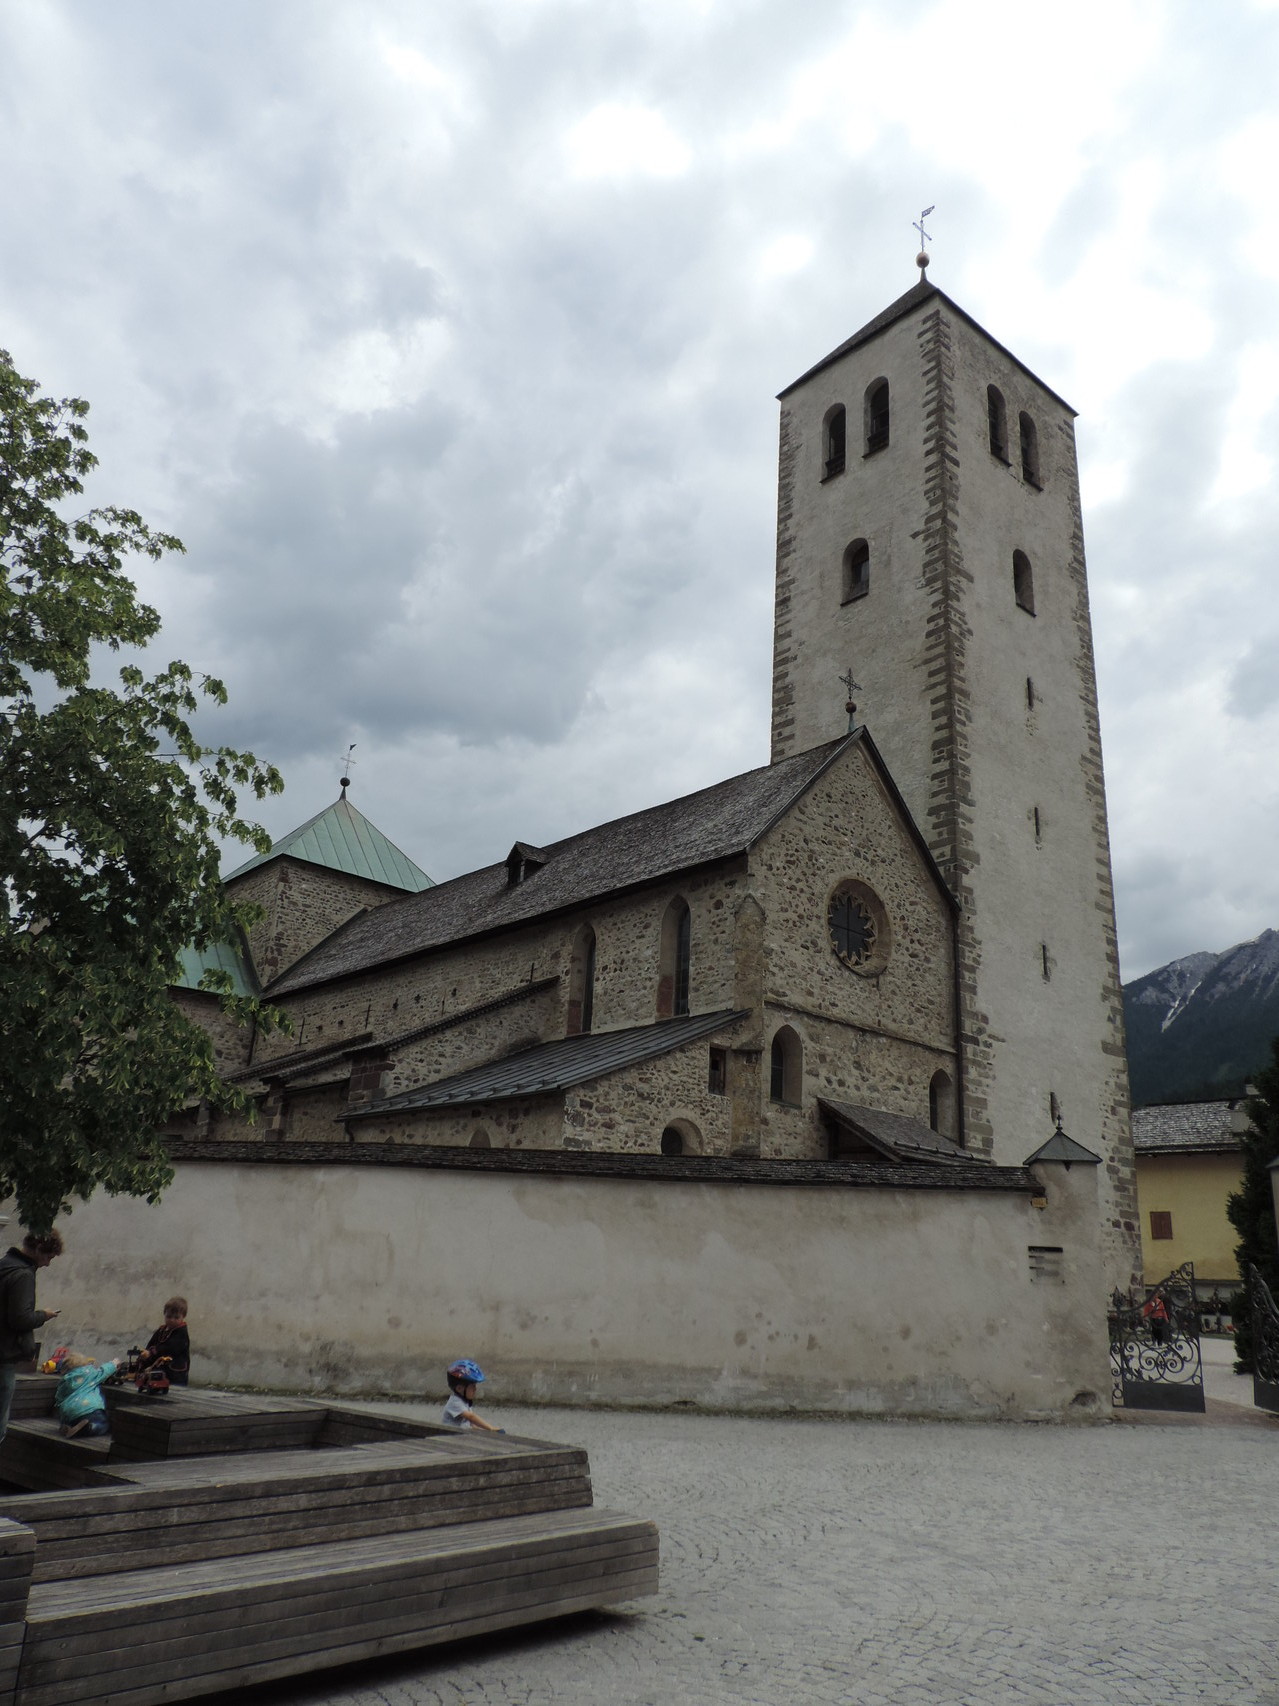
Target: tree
[(109, 813), (1252, 1207)]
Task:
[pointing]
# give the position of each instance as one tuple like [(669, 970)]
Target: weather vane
[(921, 259), (853, 687), (347, 762)]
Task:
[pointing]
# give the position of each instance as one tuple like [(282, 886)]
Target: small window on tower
[(856, 576), (998, 414), (717, 1078), (1023, 583), (1029, 450), (877, 416), (835, 434)]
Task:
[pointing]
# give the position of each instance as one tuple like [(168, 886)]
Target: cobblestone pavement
[(897, 1564)]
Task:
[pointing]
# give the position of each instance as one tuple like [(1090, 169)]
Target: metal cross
[(853, 687), (919, 225), (347, 762)]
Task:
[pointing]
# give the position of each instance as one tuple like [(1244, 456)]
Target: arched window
[(998, 416), (834, 441), (856, 573), (941, 1104), (674, 964), (1029, 450), (480, 1139), (672, 1141), (786, 1068), (1023, 583), (877, 416), (581, 983), (681, 1137)]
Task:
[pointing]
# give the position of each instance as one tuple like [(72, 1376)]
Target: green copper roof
[(218, 956), (342, 839)]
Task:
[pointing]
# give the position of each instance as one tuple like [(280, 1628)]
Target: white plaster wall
[(370, 1279)]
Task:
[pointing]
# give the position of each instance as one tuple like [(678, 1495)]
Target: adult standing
[(19, 1316)]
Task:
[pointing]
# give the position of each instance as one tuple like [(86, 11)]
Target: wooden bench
[(170, 1634), (162, 1577)]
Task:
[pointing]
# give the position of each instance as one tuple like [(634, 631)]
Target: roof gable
[(915, 297), (698, 829), (341, 838)]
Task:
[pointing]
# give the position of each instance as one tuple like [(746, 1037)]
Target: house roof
[(217, 956), (702, 828), (914, 298), (1186, 1128), (341, 838), (898, 1137), (557, 1065)]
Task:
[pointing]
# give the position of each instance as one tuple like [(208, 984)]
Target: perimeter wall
[(362, 1278)]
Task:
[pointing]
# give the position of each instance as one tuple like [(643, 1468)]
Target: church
[(894, 942)]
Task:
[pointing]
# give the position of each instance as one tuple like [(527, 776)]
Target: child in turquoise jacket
[(78, 1400)]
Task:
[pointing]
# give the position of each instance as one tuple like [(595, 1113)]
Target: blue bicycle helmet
[(466, 1370)]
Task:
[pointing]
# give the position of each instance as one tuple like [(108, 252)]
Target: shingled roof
[(915, 297), (699, 829), (1187, 1128)]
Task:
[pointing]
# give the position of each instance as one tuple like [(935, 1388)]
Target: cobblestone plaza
[(900, 1564)]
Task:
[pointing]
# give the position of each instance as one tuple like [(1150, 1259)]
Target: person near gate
[(1155, 1314), (19, 1316)]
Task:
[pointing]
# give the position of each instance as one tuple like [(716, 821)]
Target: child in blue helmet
[(463, 1378)]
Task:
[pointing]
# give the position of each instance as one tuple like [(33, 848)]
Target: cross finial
[(347, 762), (853, 687), (921, 259)]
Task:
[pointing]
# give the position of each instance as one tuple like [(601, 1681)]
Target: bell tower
[(930, 538)]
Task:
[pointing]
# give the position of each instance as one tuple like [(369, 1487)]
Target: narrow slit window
[(997, 414), (1030, 694), (1039, 827), (1023, 583), (1044, 961), (1029, 450), (877, 416), (835, 442), (856, 572), (717, 1077)]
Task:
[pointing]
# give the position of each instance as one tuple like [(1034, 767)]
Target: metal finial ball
[(921, 260), (345, 781)]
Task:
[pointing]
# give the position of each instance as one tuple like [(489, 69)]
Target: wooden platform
[(218, 1540)]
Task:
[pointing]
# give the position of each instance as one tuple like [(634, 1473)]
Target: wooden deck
[(218, 1540)]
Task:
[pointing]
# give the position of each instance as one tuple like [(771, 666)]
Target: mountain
[(1200, 1026)]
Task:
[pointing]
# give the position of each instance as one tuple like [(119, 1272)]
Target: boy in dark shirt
[(171, 1341)]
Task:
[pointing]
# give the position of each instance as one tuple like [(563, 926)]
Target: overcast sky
[(447, 337)]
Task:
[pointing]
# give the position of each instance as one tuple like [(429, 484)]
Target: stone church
[(894, 942)]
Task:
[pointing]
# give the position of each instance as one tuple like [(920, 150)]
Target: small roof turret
[(341, 838)]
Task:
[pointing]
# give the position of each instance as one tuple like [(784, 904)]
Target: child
[(171, 1341), (463, 1377), (78, 1399)]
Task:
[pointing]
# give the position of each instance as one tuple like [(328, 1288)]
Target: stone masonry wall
[(302, 904)]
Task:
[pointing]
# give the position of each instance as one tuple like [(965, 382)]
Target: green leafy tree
[(1252, 1208), (110, 810)]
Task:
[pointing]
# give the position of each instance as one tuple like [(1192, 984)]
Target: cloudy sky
[(447, 335)]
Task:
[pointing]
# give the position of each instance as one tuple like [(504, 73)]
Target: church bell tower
[(930, 537)]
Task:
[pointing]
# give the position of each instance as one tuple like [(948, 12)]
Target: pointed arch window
[(1029, 449), (675, 961), (1023, 583), (877, 416), (834, 441), (997, 415), (856, 571)]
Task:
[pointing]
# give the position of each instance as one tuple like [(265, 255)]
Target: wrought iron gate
[(1154, 1346), (1265, 1344)]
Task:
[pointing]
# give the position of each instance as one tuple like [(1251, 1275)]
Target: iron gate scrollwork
[(1154, 1346), (1265, 1344)]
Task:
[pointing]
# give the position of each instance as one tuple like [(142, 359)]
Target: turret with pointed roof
[(330, 868)]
